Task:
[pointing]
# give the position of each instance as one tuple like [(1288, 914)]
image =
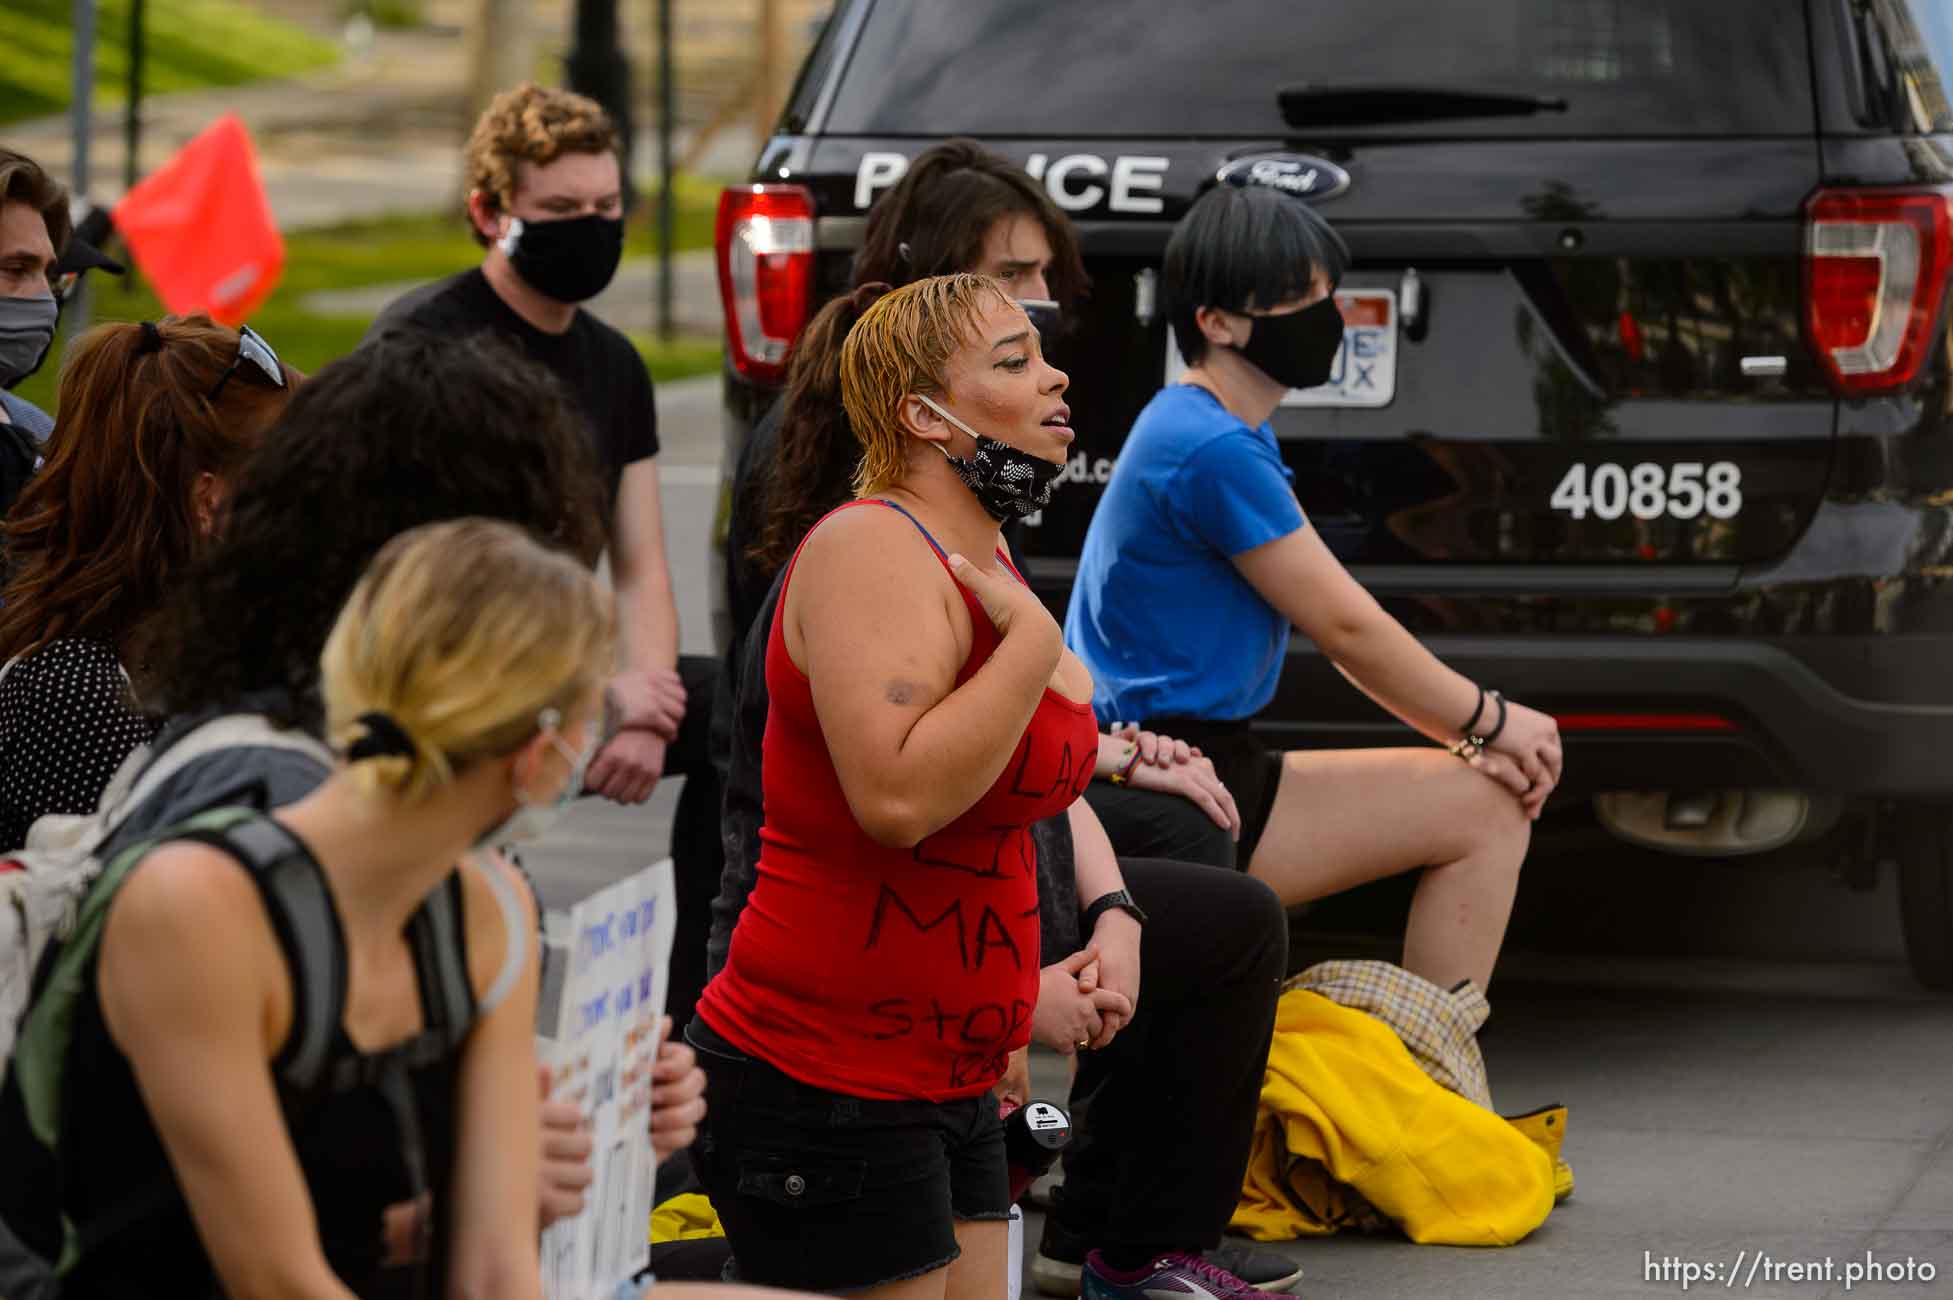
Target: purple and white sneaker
[(1179, 1276)]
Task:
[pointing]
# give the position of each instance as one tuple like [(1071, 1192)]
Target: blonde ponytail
[(451, 647)]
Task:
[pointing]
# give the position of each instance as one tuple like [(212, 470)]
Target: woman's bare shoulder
[(185, 886), (875, 550), (180, 898)]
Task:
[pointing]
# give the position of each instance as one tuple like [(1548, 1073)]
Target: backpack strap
[(441, 957), (515, 924), (300, 907)]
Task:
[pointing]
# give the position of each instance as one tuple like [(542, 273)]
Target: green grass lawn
[(189, 44), (397, 249)]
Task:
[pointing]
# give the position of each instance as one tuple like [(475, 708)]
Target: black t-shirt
[(595, 363)]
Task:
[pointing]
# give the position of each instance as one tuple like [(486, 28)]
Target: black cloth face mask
[(1297, 349), (1008, 482), (570, 259)]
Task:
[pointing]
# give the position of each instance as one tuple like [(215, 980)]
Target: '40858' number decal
[(1687, 490)]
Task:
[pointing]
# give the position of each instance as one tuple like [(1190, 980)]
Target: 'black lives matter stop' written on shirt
[(595, 363)]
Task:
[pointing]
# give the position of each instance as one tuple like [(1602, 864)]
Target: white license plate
[(1365, 372)]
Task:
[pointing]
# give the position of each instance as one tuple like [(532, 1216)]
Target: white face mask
[(531, 821)]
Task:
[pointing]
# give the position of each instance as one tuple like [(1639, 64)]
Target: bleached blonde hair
[(902, 345)]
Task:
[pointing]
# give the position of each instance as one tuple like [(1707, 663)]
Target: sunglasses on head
[(255, 360)]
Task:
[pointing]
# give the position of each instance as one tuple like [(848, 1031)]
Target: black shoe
[(1060, 1263)]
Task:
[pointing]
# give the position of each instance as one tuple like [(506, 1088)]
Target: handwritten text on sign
[(617, 946)]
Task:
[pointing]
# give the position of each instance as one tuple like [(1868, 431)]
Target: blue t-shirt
[(1159, 613)]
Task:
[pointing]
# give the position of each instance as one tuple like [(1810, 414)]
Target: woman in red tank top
[(924, 713)]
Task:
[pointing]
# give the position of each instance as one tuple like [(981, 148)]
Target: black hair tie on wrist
[(384, 738), (1471, 727), (1498, 727)]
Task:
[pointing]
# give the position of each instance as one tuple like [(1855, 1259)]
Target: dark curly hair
[(408, 430), (932, 223)]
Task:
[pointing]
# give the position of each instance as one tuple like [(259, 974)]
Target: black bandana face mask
[(570, 260), (1297, 349), (1008, 482)]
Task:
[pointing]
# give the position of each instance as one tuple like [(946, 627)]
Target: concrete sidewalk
[(369, 136)]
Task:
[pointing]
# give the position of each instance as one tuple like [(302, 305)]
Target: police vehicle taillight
[(1875, 268), (765, 241)]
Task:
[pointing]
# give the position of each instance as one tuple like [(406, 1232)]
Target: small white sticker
[(1042, 1117)]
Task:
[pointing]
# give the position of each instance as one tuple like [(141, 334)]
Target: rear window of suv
[(1216, 67), (1904, 50)]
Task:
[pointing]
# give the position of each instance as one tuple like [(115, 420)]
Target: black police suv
[(1645, 410)]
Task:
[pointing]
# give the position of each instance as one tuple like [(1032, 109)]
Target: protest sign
[(603, 998)]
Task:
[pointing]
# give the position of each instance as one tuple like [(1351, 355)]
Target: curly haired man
[(545, 201)]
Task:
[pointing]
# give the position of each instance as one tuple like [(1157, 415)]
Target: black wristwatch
[(1104, 903)]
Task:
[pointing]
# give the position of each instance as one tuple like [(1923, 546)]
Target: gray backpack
[(42, 884)]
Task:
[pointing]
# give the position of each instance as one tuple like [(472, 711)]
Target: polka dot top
[(66, 724)]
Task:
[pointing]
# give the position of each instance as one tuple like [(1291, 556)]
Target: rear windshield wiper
[(1312, 103)]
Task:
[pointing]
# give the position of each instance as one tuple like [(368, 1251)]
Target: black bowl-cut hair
[(410, 429), (1242, 246)]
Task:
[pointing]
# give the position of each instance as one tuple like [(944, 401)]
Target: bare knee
[(1501, 830)]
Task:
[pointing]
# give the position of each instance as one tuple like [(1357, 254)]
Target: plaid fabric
[(1439, 1027)]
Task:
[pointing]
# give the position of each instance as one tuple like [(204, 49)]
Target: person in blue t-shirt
[(1199, 560)]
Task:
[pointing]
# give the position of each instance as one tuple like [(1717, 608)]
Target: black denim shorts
[(1250, 770), (822, 1191)]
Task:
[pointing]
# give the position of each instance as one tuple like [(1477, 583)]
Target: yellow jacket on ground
[(1349, 1121)]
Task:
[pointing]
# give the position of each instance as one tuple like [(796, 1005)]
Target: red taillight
[(1875, 268), (766, 274)]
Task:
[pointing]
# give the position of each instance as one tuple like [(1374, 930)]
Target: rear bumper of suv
[(1672, 714)]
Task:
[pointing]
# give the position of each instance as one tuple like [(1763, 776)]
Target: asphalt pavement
[(1754, 1083)]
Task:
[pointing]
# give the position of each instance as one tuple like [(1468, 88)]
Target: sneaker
[(1060, 1260), (1264, 1270), (1179, 1276)]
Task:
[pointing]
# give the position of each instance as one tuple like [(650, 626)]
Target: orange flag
[(201, 228)]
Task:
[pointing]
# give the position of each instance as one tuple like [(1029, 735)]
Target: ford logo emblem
[(1300, 174)]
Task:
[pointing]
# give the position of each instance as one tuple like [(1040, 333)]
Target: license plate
[(1365, 373)]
